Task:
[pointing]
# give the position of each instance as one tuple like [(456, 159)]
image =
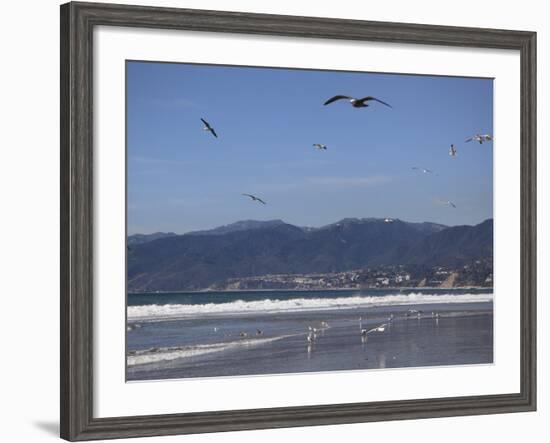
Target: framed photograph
[(273, 221)]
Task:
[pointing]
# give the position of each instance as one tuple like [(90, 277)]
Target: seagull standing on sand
[(452, 151), (311, 335), (356, 102), (380, 328), (410, 312), (209, 128), (480, 138), (320, 146), (254, 198), (364, 332)]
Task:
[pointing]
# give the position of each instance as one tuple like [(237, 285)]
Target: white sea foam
[(157, 355), (172, 311)]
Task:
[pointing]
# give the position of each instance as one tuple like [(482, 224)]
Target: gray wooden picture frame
[(77, 23)]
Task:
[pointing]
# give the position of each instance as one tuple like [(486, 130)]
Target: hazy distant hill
[(244, 225), (137, 239), (249, 248), (454, 245)]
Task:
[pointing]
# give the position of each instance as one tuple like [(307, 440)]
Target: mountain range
[(137, 239), (201, 259)]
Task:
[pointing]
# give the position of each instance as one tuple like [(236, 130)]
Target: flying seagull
[(320, 146), (424, 170), (209, 128), (480, 138), (452, 151), (356, 102), (448, 203), (254, 198)]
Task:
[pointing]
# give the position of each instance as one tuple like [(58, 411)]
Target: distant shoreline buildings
[(479, 273)]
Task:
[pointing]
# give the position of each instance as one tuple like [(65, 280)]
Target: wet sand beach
[(271, 343)]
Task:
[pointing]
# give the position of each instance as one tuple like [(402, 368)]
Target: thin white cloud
[(279, 187), (310, 163), (340, 182), (351, 182), (158, 161), (174, 102), (192, 202)]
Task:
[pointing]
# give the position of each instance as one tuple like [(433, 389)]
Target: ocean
[(213, 334)]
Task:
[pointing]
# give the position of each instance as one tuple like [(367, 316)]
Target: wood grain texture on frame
[(77, 23)]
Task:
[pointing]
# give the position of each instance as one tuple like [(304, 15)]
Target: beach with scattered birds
[(394, 188), (230, 334)]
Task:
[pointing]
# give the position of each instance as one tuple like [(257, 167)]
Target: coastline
[(389, 288)]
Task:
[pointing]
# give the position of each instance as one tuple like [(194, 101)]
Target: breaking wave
[(157, 312), (157, 355)]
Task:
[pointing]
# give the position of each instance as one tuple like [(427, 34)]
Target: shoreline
[(456, 335), (389, 288)]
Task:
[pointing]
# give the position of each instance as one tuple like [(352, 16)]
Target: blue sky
[(181, 178)]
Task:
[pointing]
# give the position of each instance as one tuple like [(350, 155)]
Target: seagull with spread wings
[(480, 138), (209, 128), (254, 198), (356, 102), (423, 170), (447, 202), (320, 146)]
